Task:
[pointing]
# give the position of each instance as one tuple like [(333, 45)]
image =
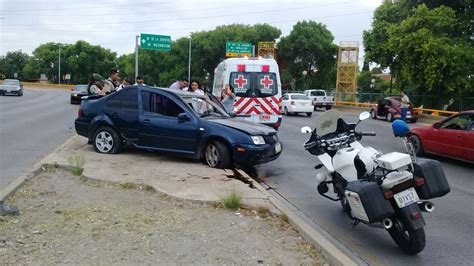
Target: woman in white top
[(228, 98), (194, 88)]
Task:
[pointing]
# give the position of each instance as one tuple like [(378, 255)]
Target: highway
[(31, 126), (449, 230)]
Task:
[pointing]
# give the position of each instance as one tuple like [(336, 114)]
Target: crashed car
[(11, 86), (178, 122), (77, 93), (389, 109)]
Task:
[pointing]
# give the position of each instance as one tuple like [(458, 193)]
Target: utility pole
[(59, 64), (189, 61), (137, 42)]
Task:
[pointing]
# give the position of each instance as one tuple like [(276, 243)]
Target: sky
[(25, 24)]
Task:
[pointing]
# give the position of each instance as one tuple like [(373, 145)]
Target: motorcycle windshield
[(327, 122)]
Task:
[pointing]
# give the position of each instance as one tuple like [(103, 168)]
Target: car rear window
[(254, 84), (317, 93), (124, 100), (299, 97)]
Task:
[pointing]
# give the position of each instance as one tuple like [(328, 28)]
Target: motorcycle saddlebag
[(436, 184), (367, 201)]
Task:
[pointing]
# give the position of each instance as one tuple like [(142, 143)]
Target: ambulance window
[(241, 82), (266, 84)]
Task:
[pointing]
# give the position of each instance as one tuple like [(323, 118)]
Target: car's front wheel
[(389, 117), (285, 111), (373, 114), (217, 155), (309, 114), (107, 140), (417, 146)]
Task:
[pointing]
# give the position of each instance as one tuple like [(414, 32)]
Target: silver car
[(11, 86)]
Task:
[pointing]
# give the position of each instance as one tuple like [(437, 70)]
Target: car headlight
[(75, 94), (258, 140)]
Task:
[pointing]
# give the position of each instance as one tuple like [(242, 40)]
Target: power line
[(179, 19), (16, 11)]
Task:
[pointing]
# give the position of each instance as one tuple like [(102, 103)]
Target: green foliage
[(426, 44), (310, 48), (77, 164), (13, 62), (232, 201)]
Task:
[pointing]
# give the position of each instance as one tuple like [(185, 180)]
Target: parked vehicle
[(389, 109), (11, 86), (257, 87), (452, 137), (293, 103), (78, 92), (388, 191), (164, 120), (320, 99)]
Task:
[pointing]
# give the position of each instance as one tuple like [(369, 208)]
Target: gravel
[(73, 220)]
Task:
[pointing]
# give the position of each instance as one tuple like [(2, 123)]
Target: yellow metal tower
[(347, 66)]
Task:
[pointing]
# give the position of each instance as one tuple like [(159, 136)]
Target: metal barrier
[(48, 85), (432, 112)]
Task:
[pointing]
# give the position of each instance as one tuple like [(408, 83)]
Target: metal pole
[(253, 50), (137, 37), (189, 61), (59, 65)]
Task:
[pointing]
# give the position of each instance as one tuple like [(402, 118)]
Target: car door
[(448, 138), (122, 109), (160, 127)]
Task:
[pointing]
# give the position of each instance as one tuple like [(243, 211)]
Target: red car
[(452, 137), (389, 109)]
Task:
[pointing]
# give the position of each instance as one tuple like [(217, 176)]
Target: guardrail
[(433, 112), (48, 85)]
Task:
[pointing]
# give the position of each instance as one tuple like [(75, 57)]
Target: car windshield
[(81, 88), (204, 107), (254, 84), (11, 82), (299, 97), (327, 122)]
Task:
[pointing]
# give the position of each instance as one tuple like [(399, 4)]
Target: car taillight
[(420, 181), (292, 102), (79, 112), (265, 68), (388, 194), (241, 68)]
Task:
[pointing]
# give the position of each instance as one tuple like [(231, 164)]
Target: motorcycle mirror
[(305, 130), (364, 115)]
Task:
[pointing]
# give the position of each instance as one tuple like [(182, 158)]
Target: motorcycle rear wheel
[(410, 241)]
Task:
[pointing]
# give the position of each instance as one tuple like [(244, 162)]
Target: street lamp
[(372, 86)]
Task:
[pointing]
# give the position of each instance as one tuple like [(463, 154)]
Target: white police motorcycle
[(388, 191)]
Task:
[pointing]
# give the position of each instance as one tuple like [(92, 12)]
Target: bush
[(232, 201), (77, 162)]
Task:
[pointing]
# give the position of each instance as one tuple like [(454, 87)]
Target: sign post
[(238, 49), (151, 42)]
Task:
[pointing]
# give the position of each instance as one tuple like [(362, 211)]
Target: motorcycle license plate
[(406, 197), (278, 147)]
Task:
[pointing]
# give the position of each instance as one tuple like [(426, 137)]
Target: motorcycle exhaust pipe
[(387, 223), (427, 206)]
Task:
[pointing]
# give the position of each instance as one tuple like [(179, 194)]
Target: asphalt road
[(31, 126), (449, 230)]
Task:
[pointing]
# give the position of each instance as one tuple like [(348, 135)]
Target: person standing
[(139, 81), (228, 98), (125, 82), (112, 80), (96, 85), (179, 84), (405, 104)]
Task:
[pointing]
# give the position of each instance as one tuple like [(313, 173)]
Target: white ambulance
[(257, 88)]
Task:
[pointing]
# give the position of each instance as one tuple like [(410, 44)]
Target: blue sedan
[(177, 122)]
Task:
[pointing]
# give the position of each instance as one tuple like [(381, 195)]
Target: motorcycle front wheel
[(410, 241)]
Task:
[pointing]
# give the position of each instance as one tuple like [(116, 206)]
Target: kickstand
[(354, 224)]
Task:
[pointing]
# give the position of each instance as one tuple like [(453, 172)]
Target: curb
[(330, 251), (37, 167)]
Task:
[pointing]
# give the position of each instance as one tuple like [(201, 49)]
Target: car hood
[(12, 87), (250, 128)]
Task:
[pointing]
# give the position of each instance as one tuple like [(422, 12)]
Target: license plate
[(264, 118), (406, 197), (8, 90), (278, 147)]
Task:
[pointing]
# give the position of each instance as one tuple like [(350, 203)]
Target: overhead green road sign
[(155, 42), (238, 49)]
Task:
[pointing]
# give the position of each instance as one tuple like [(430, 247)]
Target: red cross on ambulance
[(240, 81), (266, 82)]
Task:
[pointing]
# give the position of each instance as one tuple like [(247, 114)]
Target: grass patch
[(77, 162), (263, 211), (232, 201), (283, 218)]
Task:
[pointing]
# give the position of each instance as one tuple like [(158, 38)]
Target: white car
[(292, 103)]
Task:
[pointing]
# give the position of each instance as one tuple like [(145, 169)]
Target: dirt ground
[(66, 219)]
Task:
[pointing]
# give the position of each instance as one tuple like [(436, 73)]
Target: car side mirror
[(306, 130), (437, 125), (364, 115), (183, 117)]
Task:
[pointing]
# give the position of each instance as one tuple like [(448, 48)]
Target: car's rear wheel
[(417, 146), (107, 140), (309, 114), (389, 117), (285, 111), (373, 114), (328, 107), (217, 155)]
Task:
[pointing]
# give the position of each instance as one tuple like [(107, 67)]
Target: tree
[(426, 44), (13, 62), (309, 47)]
